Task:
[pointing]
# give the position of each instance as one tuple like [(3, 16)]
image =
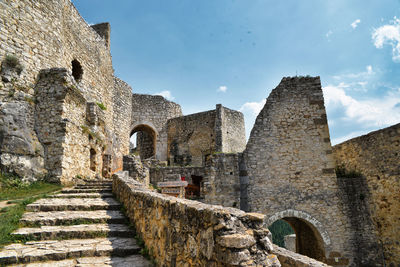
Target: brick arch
[(312, 239)]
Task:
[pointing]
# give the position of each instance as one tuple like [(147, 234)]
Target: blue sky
[(234, 52)]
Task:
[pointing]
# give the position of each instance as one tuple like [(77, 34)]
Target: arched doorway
[(143, 141), (311, 240)]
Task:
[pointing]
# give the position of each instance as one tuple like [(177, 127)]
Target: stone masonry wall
[(291, 169), (42, 35), (122, 101), (376, 155), (181, 232), (60, 115), (232, 130), (191, 138), (222, 186), (154, 111), (48, 34)]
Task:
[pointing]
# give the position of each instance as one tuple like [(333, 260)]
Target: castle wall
[(376, 155), (122, 102), (51, 34), (154, 111), (60, 112), (291, 169), (191, 138), (232, 130), (222, 186)]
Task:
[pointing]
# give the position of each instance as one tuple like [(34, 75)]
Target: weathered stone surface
[(74, 231), (59, 204), (137, 169), (286, 164), (86, 190), (83, 195), (236, 241), (291, 259), (134, 260), (373, 199), (185, 232), (193, 137), (65, 217), (54, 249)]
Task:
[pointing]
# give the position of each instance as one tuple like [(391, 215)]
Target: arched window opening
[(92, 159), (77, 70), (298, 235), (143, 141)]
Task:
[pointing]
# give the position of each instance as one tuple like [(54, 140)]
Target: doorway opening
[(143, 141)]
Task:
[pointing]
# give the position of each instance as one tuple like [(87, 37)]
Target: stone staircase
[(81, 226)]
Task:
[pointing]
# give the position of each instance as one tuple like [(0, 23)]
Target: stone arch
[(146, 139), (312, 239)]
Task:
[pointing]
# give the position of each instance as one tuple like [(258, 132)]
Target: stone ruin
[(65, 116)]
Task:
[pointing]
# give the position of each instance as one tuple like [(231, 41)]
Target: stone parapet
[(183, 232)]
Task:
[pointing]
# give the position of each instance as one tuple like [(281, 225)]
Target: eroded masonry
[(64, 116)]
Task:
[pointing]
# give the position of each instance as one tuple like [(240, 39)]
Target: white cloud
[(329, 33), (369, 70), (166, 94), (222, 88), (253, 107), (389, 34), (355, 23), (371, 112), (363, 74)]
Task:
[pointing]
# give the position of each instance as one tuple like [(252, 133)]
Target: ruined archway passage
[(311, 238), (145, 141), (308, 240)]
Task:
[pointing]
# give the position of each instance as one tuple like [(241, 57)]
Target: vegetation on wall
[(101, 106), (279, 230), (13, 62)]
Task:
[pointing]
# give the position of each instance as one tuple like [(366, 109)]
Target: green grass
[(19, 194), (25, 191)]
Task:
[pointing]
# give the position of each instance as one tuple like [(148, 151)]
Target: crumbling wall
[(222, 186), (154, 111), (232, 130), (191, 138), (38, 35), (376, 155), (122, 101), (184, 232), (68, 127), (291, 169)]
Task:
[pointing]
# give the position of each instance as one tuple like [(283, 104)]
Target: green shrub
[(101, 106), (13, 62)]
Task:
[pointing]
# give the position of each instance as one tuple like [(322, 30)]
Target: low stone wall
[(292, 259), (181, 232)]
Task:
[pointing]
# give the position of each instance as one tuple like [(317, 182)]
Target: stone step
[(90, 190), (73, 231), (65, 249), (59, 204), (133, 260), (72, 217), (93, 187), (83, 195)]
